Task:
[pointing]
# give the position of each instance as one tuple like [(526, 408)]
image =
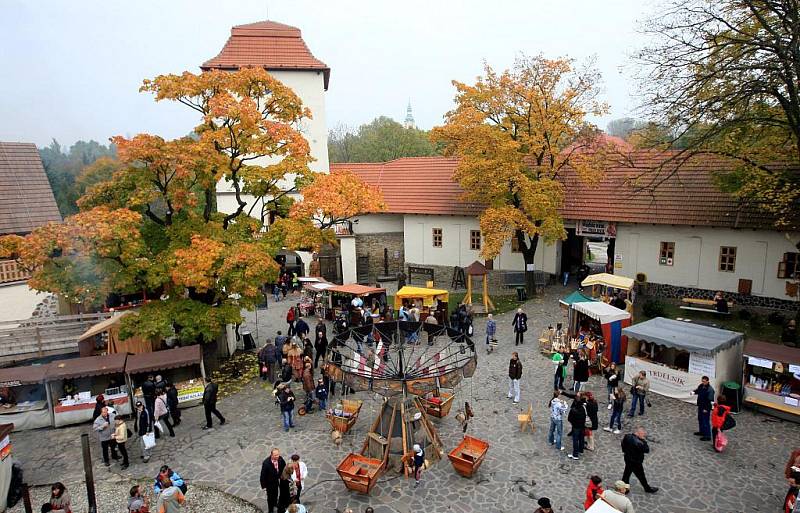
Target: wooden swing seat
[(359, 473), (468, 455), (440, 408), (343, 423)]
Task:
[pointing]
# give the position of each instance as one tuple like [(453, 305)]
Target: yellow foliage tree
[(516, 133), (337, 197)]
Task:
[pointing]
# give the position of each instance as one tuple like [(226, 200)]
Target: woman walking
[(718, 414), (591, 411), (162, 412), (577, 420), (612, 382), (557, 410), (617, 407)]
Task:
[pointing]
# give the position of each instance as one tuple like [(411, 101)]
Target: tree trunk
[(528, 250)]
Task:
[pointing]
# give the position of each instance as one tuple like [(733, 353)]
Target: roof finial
[(409, 122)]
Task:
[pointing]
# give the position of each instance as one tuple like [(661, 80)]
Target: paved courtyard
[(518, 469)]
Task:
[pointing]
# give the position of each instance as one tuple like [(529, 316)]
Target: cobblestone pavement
[(518, 469)]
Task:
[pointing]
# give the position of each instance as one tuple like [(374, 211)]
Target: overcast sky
[(72, 69)]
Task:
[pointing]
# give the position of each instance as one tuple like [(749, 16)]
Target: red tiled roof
[(630, 191), (26, 199), (271, 45)]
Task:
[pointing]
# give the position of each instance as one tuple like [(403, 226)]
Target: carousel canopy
[(355, 289), (609, 280), (427, 295), (600, 311), (575, 297), (694, 338)]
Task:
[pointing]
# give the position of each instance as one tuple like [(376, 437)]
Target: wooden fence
[(29, 338), (10, 272)]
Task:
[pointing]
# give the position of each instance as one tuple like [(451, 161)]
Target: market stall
[(314, 298), (428, 301), (606, 287), (104, 337), (676, 354), (86, 378), (349, 298), (6, 462), (182, 366), (772, 377), (23, 397), (598, 325)]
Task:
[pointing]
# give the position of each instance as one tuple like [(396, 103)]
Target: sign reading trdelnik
[(663, 380)]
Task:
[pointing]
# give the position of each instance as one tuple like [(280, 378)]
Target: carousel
[(417, 382)]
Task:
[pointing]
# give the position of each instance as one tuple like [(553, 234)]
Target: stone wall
[(372, 245), (662, 290), (443, 278)]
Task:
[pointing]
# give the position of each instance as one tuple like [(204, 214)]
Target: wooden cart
[(468, 455), (360, 473), (343, 423), (438, 406)]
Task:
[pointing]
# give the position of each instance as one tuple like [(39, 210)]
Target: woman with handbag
[(162, 412), (591, 411), (286, 487), (720, 414), (144, 428)]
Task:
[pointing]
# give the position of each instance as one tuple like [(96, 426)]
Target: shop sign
[(617, 261), (702, 364), (663, 380), (760, 362), (596, 229), (191, 393), (794, 369)]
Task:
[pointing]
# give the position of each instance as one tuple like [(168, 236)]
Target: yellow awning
[(427, 295), (608, 280)]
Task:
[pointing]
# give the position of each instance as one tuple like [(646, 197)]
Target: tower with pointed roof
[(409, 122)]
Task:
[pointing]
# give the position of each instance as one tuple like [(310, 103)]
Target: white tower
[(409, 122)]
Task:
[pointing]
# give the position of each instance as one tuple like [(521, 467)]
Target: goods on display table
[(104, 338), (314, 298), (599, 328), (182, 366), (348, 299), (77, 383), (607, 288), (427, 301), (676, 354), (772, 377), (23, 397)]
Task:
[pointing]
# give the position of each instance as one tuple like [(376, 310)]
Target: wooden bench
[(706, 310), (756, 403), (703, 302)]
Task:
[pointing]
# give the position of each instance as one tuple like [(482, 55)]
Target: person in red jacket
[(718, 414), (593, 491)]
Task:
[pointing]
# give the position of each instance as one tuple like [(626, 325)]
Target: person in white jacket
[(300, 473)]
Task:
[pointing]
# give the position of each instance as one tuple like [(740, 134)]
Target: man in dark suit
[(271, 470), (210, 403)]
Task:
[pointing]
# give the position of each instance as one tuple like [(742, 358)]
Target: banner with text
[(664, 380), (596, 228)]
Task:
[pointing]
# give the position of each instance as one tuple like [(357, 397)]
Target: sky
[(73, 68)]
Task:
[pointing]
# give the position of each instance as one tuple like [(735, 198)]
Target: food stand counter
[(676, 354), (772, 377), (182, 366), (347, 298), (427, 300), (25, 399), (91, 375)]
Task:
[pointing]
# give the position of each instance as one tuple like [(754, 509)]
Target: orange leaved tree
[(516, 133), (335, 198)]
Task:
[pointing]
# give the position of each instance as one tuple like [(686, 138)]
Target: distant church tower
[(409, 122)]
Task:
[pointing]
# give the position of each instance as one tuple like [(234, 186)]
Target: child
[(120, 436), (593, 491), (137, 503), (321, 392), (419, 462)]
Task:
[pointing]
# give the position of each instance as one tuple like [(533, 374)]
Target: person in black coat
[(301, 328), (634, 447), (577, 421), (143, 424), (172, 403), (149, 393), (591, 412), (286, 371), (580, 372), (271, 470), (210, 403), (520, 324), (321, 347)]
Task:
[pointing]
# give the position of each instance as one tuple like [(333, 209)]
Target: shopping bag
[(159, 426), (720, 442), (149, 440)]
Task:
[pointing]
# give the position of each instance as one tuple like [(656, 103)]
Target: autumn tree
[(381, 140), (723, 77), (335, 198), (154, 227), (516, 133)]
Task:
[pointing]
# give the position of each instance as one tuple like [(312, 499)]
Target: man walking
[(104, 425), (301, 328), (639, 388), (210, 403), (514, 375), (705, 400), (149, 393), (520, 324), (172, 403), (320, 343), (617, 497), (271, 469), (286, 399), (634, 447)]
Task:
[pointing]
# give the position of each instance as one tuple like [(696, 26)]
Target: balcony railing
[(10, 272)]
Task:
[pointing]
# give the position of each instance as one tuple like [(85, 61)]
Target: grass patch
[(755, 327)]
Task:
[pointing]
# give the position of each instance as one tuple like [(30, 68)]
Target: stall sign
[(702, 364), (794, 369), (791, 401), (760, 362), (663, 380), (617, 261), (596, 229), (191, 393)]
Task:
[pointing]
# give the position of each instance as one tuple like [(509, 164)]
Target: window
[(789, 268), (727, 259), (666, 254), (437, 237), (475, 240), (515, 245)]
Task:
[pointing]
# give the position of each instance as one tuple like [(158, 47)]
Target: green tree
[(379, 141), (723, 77)]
